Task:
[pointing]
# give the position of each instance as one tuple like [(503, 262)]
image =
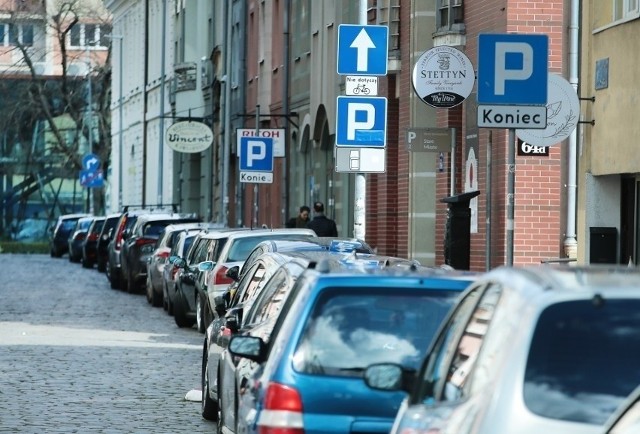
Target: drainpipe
[(285, 110), (570, 242), (145, 104), (226, 141), (162, 101)]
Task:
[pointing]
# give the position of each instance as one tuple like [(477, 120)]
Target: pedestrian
[(321, 224), (301, 220)]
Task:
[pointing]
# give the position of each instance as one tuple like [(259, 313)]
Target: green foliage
[(18, 247)]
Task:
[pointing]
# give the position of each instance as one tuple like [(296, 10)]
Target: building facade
[(608, 162), (259, 66)]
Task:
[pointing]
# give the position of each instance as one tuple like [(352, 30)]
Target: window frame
[(450, 7)]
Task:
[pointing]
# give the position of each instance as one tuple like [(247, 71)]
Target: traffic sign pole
[(360, 188), (511, 182)]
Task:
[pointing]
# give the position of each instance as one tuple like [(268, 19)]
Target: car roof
[(311, 243), (163, 216), (73, 216), (192, 225), (549, 279), (221, 232), (260, 232)]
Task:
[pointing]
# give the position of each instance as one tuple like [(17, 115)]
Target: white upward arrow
[(362, 43)]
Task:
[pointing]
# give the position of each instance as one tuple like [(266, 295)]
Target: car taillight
[(144, 241), (221, 277), (282, 413), (119, 235), (164, 254), (80, 236), (93, 237)]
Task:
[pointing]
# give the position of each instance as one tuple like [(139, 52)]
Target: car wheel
[(114, 281), (156, 299), (148, 290), (85, 263), (200, 314), (209, 406), (180, 314)]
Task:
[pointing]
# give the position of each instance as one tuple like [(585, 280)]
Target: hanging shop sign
[(443, 77), (189, 137)]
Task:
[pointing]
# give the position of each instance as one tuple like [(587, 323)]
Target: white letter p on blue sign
[(513, 69)]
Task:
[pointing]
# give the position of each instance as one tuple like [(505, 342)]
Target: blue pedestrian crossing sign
[(361, 122), (362, 50), (256, 154)]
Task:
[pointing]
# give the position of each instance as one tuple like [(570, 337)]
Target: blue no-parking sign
[(361, 122), (512, 69)]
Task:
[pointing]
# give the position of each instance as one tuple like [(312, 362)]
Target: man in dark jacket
[(321, 224), (301, 220)]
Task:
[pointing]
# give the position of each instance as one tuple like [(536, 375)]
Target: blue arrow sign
[(91, 162), (362, 50)]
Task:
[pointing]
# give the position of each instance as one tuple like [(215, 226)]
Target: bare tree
[(59, 81)]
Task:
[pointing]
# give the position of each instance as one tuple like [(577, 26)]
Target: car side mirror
[(389, 377), (232, 323), (179, 262), (249, 347)]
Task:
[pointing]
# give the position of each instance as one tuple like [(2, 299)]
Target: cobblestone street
[(79, 357)]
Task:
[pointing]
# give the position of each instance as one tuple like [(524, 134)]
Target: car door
[(445, 379), (191, 273)]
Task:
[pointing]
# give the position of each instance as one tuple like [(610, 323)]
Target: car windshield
[(583, 359), (348, 332), (68, 225), (241, 248)]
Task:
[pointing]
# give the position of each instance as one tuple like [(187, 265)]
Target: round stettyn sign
[(563, 113), (443, 77), (189, 137)]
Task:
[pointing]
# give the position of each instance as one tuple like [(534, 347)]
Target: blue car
[(304, 372)]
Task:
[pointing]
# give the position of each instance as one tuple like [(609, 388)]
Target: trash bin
[(457, 242), (603, 245)]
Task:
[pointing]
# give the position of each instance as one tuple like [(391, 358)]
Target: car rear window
[(68, 225), (351, 329), (242, 247), (583, 359)]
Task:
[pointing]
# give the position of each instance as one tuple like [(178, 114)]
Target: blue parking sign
[(512, 69), (361, 122), (256, 154)]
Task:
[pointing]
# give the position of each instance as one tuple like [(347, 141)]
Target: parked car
[(187, 304), (235, 251), (170, 272), (114, 266), (77, 238), (303, 366), (139, 244), (90, 245), (106, 235), (231, 308), (626, 420), (160, 257), (526, 350), (59, 243)]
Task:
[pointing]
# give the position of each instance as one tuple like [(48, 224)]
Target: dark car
[(160, 258), (139, 244), (114, 266), (59, 243), (171, 271), (90, 246), (106, 234), (326, 329), (77, 238)]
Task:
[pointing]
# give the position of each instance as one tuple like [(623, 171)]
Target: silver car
[(526, 351)]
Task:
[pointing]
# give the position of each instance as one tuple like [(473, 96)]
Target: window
[(624, 9), (89, 35), (450, 15), (270, 298), (345, 333), (582, 362), (16, 34)]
